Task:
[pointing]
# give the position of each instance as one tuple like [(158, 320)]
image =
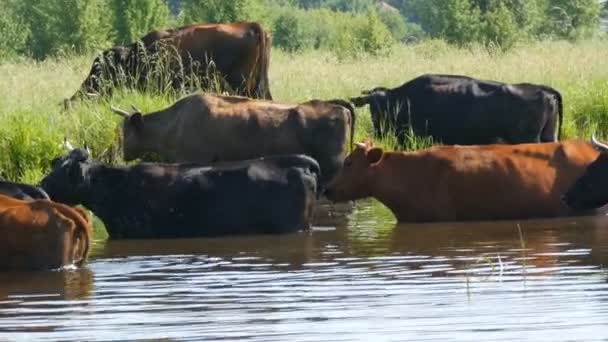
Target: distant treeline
[(41, 28)]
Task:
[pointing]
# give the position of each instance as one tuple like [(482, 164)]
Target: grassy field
[(33, 123)]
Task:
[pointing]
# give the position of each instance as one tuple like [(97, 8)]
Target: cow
[(22, 191), (591, 190), (464, 183), (155, 200), (41, 234), (466, 111), (239, 52), (204, 128)]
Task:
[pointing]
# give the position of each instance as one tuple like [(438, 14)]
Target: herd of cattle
[(247, 164)]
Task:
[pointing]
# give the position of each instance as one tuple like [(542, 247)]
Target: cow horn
[(361, 145), (120, 112), (598, 144), (91, 95), (86, 148), (135, 108), (67, 145)]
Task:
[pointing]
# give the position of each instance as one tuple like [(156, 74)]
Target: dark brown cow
[(41, 234), (461, 183), (239, 52), (203, 128)]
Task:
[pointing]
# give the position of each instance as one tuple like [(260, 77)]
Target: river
[(357, 276)]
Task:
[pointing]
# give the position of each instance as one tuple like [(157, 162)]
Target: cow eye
[(348, 163)]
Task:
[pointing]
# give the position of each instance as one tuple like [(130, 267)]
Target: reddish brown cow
[(42, 234), (461, 183), (240, 53)]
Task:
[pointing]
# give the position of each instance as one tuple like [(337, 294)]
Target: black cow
[(21, 191), (151, 200), (591, 190), (466, 111)]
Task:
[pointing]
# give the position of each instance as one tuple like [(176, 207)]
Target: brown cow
[(203, 128), (42, 234), (240, 53), (461, 183)]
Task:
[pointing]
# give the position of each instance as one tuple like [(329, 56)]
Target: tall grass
[(33, 122)]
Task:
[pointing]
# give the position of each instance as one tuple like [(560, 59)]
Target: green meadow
[(33, 121)]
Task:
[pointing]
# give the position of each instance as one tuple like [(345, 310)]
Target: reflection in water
[(359, 276)]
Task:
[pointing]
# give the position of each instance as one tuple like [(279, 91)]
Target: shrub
[(14, 32), (132, 19), (287, 33), (64, 25)]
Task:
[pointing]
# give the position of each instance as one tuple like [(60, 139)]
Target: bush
[(287, 33), (133, 19), (395, 23), (373, 36), (499, 27), (64, 25), (14, 32), (572, 19), (219, 11)]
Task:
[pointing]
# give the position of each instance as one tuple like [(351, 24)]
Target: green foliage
[(219, 11), (287, 32), (64, 25), (14, 32), (27, 147), (499, 26), (373, 36), (134, 18), (572, 19), (456, 21), (395, 23), (503, 22)]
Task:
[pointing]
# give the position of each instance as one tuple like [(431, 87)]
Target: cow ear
[(136, 120), (374, 155), (360, 101)]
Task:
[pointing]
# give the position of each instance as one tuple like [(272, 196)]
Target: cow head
[(68, 176), (381, 106), (107, 71), (353, 180), (132, 128), (591, 190)]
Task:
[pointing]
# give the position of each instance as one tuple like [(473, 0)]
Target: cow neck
[(103, 185), (390, 180), (156, 130)]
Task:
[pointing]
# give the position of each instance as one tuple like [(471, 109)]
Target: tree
[(395, 23), (499, 26), (457, 21), (134, 18), (219, 11), (287, 32), (14, 31), (572, 19), (62, 25)]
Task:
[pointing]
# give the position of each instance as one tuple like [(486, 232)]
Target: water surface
[(356, 277)]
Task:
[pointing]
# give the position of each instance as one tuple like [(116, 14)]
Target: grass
[(33, 122)]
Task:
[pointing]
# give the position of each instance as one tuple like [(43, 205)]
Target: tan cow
[(459, 183), (42, 234), (203, 128)]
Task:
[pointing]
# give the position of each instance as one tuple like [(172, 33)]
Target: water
[(356, 277)]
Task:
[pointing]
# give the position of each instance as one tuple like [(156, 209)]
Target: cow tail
[(560, 113), (560, 109), (255, 79), (353, 118)]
